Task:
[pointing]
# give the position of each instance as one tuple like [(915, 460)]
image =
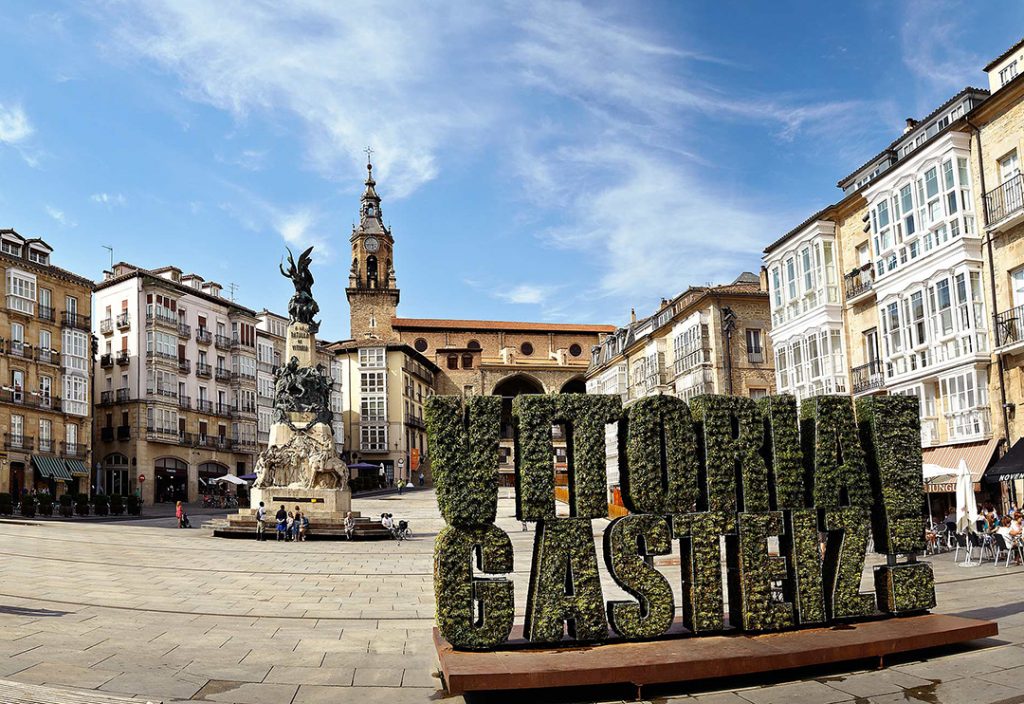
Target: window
[(45, 435), (21, 292), (467, 361), (71, 437), (76, 395), (372, 357), (17, 430), (373, 438), (1009, 166), (758, 394), (12, 248), (453, 361), (776, 287), (373, 408), (526, 348), (754, 351), (473, 345), (420, 345), (372, 383), (38, 256), (575, 350), (1008, 74)]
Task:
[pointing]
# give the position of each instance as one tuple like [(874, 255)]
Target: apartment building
[(707, 340), (996, 130), (908, 314), (176, 394), (381, 389), (271, 332), (45, 365)]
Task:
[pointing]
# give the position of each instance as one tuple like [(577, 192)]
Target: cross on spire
[(369, 152)]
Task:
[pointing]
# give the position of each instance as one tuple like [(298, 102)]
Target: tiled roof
[(139, 271), (1002, 56), (497, 325)]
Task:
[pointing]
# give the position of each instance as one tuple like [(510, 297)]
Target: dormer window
[(38, 257), (12, 248)]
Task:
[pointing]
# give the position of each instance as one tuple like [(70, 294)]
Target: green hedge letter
[(465, 457), (844, 563), (585, 418), (533, 416), (832, 446), (750, 592), (782, 451), (800, 544), (700, 559), (565, 587), (660, 475), (473, 613), (630, 542)]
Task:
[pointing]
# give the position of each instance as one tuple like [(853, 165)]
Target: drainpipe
[(992, 287)]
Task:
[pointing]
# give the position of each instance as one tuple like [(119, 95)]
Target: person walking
[(282, 522), (261, 522), (421, 477), (182, 515)]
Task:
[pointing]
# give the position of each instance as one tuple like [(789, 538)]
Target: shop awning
[(50, 467), (1009, 466), (77, 468), (977, 455)]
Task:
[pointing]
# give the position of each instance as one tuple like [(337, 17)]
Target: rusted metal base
[(691, 658)]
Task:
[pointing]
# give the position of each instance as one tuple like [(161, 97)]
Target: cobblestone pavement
[(165, 614)]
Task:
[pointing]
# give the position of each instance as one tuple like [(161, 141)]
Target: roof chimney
[(632, 315), (911, 124)]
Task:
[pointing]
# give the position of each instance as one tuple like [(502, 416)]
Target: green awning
[(77, 468), (50, 467)]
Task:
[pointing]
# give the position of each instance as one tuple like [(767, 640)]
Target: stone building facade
[(176, 392), (46, 365), (448, 356), (706, 340)]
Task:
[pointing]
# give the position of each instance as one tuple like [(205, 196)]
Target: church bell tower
[(372, 287)]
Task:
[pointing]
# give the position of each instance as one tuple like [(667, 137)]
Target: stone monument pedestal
[(316, 503)]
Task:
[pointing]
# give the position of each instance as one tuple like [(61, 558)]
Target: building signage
[(690, 474)]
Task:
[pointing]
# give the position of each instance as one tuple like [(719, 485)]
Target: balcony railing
[(47, 313), (417, 422), (184, 366), (46, 356), (867, 377), (237, 342), (17, 348), (158, 317), (164, 393), (163, 434), (107, 326), (203, 336), (971, 424), (204, 370), (107, 434), (224, 409), (162, 356), (184, 330), (123, 395), (247, 409), (184, 402), (222, 374), (859, 281), (755, 357), (1005, 200), (20, 397), (123, 321), (124, 432), (17, 304), (107, 360), (1010, 327), (222, 342), (74, 320), (46, 445), (204, 406), (106, 397), (123, 358), (18, 441)]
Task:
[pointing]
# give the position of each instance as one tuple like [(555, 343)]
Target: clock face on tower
[(371, 244)]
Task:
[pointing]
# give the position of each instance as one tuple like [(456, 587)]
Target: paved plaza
[(143, 609)]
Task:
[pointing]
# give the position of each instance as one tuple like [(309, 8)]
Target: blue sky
[(538, 160)]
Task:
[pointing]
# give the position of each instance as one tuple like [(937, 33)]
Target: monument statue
[(301, 308), (301, 462)]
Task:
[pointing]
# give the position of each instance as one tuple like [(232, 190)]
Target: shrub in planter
[(67, 502), (44, 505), (905, 588), (750, 594), (28, 506), (833, 452), (116, 505), (464, 454), (782, 451), (101, 505), (700, 560), (81, 505), (134, 505), (800, 544), (6, 505), (844, 563)]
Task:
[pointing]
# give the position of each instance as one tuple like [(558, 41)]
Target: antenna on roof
[(232, 287), (111, 251)]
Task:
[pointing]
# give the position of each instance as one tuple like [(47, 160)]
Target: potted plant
[(101, 505), (28, 506), (116, 505), (66, 505), (134, 505), (44, 505), (82, 504), (6, 505)]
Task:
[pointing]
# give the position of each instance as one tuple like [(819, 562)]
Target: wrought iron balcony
[(107, 326), (184, 331), (107, 360), (17, 348), (868, 377), (107, 434), (859, 281), (123, 395), (184, 402), (47, 313), (1006, 200), (222, 374), (224, 409), (47, 356), (184, 366), (124, 432), (123, 358), (1010, 327), (18, 441), (123, 321), (159, 317), (106, 398), (204, 406), (204, 370), (74, 320), (222, 342), (203, 336)]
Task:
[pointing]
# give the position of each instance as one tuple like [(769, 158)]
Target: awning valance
[(77, 468), (50, 467), (1009, 466), (977, 455)]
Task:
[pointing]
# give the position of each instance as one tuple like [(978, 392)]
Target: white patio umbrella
[(966, 503), (931, 471), (229, 479)]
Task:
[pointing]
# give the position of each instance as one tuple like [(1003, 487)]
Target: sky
[(537, 160)]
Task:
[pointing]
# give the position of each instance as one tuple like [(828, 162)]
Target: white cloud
[(60, 216), (14, 125), (526, 293), (930, 39), (247, 159), (108, 199)]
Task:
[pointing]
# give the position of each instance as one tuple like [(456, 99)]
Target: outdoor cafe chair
[(982, 542), (999, 546), (961, 544)]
